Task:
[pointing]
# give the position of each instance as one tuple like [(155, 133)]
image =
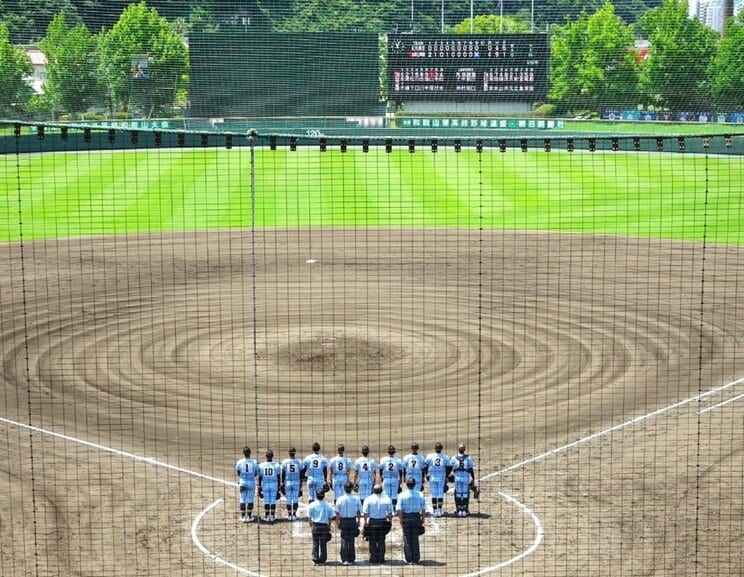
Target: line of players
[(270, 478)]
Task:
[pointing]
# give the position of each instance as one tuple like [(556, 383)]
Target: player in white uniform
[(463, 469), (269, 473), (316, 468), (291, 484), (391, 469), (340, 467), (365, 473), (437, 469), (415, 467), (247, 470)]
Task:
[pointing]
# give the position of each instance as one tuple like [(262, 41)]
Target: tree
[(14, 65), (72, 83), (492, 24), (562, 11), (29, 19), (727, 68), (675, 75), (593, 62), (325, 16), (141, 31)]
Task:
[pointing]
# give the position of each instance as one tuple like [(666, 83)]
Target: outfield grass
[(650, 128), (632, 194)]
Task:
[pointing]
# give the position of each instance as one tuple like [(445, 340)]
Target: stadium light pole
[(532, 17)]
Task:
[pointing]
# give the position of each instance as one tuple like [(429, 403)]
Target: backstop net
[(360, 238)]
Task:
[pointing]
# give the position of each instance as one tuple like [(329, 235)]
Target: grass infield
[(656, 195)]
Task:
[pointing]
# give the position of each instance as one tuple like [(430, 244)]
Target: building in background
[(37, 78), (710, 12)]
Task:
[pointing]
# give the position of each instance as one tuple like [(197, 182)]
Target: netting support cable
[(480, 153), (700, 361), (27, 365), (254, 307)]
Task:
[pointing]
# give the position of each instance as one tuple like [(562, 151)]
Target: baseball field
[(574, 318), (627, 194)]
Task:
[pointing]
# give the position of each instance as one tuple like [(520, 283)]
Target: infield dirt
[(186, 347)]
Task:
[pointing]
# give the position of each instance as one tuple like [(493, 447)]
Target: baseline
[(120, 453), (633, 421), (540, 457)]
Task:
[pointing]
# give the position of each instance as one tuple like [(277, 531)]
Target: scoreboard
[(468, 67)]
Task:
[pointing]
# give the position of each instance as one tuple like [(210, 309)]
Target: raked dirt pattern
[(185, 347)]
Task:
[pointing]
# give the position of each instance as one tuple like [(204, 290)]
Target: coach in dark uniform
[(378, 514), (411, 511)]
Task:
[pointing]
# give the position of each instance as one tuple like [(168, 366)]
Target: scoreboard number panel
[(473, 67)]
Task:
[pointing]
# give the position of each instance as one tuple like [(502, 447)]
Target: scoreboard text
[(474, 67)]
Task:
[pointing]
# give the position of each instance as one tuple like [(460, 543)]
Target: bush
[(545, 110)]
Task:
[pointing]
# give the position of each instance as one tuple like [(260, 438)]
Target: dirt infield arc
[(186, 347)]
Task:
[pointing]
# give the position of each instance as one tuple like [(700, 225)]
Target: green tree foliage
[(676, 73), (339, 15), (142, 31), (727, 68), (561, 11), (593, 62), (14, 65), (29, 19), (72, 83), (492, 24)]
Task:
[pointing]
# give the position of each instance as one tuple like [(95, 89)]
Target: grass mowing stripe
[(60, 202), (196, 189), (637, 194), (138, 201)]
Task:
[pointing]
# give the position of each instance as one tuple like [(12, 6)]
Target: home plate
[(311, 261)]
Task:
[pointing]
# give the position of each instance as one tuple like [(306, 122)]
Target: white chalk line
[(216, 558), (534, 459), (532, 548), (139, 458), (612, 429), (724, 403)]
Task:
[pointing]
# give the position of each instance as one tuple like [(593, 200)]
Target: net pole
[(254, 308), (26, 353)]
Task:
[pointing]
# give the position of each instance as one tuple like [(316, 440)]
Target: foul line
[(118, 452), (612, 429), (536, 521), (217, 559)]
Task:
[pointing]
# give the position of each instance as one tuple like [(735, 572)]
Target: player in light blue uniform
[(365, 469), (340, 467), (291, 484), (269, 473), (437, 469), (391, 469), (247, 470), (463, 468), (316, 469), (415, 466)]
